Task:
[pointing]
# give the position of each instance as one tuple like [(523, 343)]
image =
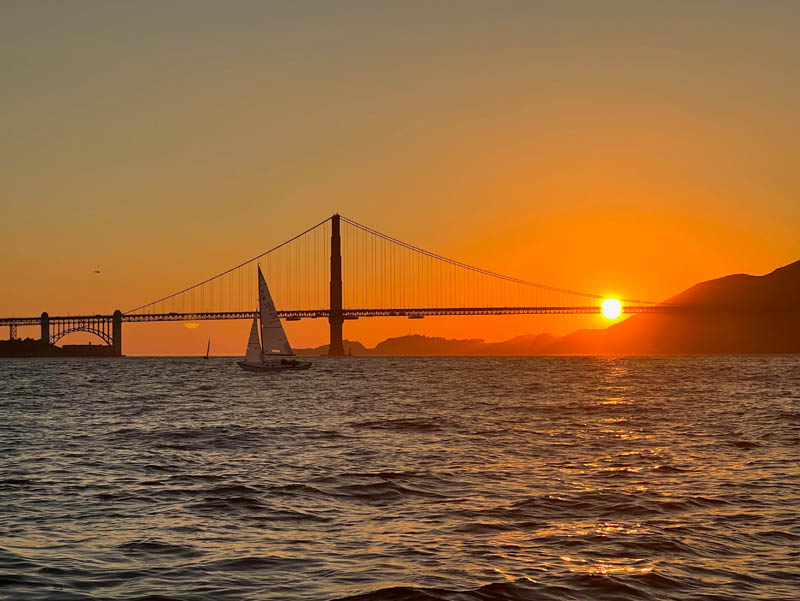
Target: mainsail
[(253, 354), (273, 339)]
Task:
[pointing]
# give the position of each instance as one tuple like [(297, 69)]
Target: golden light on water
[(611, 308)]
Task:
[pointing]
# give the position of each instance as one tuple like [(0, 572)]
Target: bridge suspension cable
[(301, 259), (459, 264), (402, 275), (379, 272)]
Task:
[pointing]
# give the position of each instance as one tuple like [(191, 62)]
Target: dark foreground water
[(401, 479)]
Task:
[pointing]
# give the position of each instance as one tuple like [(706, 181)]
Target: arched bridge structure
[(339, 270), (106, 327), (100, 326)]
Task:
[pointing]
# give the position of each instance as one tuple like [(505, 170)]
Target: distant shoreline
[(373, 356)]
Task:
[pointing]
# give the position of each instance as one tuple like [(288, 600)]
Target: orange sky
[(622, 148)]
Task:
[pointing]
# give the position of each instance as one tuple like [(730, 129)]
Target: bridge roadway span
[(297, 314)]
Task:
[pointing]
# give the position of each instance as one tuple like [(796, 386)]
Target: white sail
[(273, 339), (253, 354)]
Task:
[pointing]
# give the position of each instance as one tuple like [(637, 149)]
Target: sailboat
[(208, 348), (273, 351)]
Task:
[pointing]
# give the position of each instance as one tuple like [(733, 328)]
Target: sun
[(611, 308)]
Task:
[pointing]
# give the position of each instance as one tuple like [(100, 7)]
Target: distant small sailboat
[(273, 351), (208, 348)]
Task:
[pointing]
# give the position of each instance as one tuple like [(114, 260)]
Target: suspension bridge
[(339, 270)]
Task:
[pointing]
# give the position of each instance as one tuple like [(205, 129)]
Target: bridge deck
[(296, 314)]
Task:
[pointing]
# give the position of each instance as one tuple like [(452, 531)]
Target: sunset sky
[(623, 148)]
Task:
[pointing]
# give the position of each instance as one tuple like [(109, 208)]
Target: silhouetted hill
[(416, 344), (733, 314), (350, 346), (778, 289), (528, 344)]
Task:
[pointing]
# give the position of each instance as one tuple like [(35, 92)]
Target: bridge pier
[(44, 338), (336, 317), (116, 332)]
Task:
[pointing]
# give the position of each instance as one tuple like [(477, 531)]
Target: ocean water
[(401, 479)]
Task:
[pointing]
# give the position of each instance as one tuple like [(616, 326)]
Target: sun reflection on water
[(608, 567)]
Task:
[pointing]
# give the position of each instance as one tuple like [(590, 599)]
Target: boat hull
[(262, 367)]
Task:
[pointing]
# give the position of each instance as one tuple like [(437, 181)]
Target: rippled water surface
[(411, 478)]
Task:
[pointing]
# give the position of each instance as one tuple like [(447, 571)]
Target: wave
[(570, 587), (383, 491), (227, 504), (401, 424), (157, 547)]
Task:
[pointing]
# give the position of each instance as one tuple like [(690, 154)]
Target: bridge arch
[(54, 338), (98, 326)]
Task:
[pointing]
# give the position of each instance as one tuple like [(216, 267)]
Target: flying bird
[(97, 271)]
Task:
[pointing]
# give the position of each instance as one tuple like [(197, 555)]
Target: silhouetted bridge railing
[(77, 322), (298, 314)]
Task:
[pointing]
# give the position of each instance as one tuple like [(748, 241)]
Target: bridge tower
[(45, 330), (336, 317), (116, 332)]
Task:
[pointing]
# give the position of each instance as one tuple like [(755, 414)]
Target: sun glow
[(611, 308)]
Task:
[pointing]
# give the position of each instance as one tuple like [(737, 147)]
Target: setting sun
[(611, 308)]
